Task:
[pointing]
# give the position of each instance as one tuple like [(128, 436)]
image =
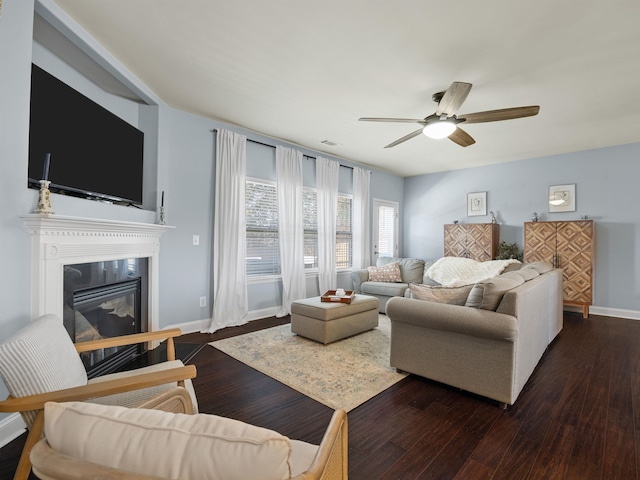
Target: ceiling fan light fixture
[(439, 128)]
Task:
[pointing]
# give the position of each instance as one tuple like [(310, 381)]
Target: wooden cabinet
[(566, 245), (478, 241)]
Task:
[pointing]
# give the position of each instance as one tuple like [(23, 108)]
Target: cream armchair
[(114, 443), (41, 364)]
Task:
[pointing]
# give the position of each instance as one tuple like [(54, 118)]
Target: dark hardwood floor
[(577, 418)]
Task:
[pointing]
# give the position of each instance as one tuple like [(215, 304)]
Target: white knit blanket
[(458, 271)]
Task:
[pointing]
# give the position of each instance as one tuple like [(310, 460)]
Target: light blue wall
[(606, 190), (180, 147)]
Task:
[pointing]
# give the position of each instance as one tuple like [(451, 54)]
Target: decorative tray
[(330, 296)]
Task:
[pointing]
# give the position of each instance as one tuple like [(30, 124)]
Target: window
[(263, 250), (385, 217), (344, 232), (344, 242)]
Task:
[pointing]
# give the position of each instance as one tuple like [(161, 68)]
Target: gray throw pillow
[(440, 294), (487, 294)]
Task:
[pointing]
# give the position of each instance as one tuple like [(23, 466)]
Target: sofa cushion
[(526, 273), (385, 273), (426, 279), (411, 269), (163, 444), (487, 294), (541, 267), (440, 294), (384, 288)]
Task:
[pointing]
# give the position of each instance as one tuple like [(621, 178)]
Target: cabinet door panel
[(454, 240), (539, 242), (479, 242), (575, 254)]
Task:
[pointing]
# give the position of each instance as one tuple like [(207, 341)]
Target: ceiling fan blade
[(502, 114), (462, 138), (405, 138), (401, 120), (453, 98)]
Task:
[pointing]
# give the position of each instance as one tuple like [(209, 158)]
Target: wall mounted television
[(94, 153)]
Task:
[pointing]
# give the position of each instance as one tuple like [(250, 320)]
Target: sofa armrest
[(453, 318), (359, 276)]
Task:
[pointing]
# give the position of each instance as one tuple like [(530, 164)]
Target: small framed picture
[(476, 204), (562, 198)]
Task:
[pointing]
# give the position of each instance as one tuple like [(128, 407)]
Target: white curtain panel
[(290, 226), (327, 173), (361, 218), (230, 304)]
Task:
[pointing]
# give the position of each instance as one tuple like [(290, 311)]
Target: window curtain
[(361, 218), (230, 306), (290, 226), (327, 172)]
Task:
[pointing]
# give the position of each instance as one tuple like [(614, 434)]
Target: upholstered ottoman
[(326, 322)]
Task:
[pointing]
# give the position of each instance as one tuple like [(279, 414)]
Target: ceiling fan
[(444, 122)]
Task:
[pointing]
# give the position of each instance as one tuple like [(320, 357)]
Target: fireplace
[(102, 300), (72, 250)]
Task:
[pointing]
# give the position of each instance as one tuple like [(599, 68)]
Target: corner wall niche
[(58, 241)]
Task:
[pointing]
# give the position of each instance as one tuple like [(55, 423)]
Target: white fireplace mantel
[(58, 240)]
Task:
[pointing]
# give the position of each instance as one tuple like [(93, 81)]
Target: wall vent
[(329, 142)]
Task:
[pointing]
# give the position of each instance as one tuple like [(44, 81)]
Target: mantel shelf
[(39, 224)]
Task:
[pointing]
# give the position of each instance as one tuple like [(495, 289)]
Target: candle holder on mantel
[(161, 216), (44, 201)]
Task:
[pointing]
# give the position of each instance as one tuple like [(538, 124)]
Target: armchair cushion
[(43, 346), (168, 445)]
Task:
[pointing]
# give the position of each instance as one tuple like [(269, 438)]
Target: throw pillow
[(386, 273), (487, 294), (440, 294)]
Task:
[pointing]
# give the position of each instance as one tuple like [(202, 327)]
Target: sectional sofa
[(490, 342)]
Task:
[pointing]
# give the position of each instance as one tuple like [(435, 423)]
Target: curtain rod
[(273, 146)]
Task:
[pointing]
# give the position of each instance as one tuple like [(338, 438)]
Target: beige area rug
[(343, 374)]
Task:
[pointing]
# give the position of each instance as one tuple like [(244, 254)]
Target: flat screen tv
[(93, 153)]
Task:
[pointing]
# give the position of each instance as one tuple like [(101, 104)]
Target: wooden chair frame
[(98, 389)]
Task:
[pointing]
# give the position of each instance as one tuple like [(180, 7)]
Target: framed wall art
[(562, 198), (476, 204)]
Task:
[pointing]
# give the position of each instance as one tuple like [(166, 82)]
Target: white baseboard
[(196, 326), (615, 312), (11, 427)]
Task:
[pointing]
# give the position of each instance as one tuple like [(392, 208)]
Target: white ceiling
[(304, 71)]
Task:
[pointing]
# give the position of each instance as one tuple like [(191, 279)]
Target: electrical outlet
[(203, 301), (196, 239)]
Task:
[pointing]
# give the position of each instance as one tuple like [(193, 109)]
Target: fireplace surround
[(58, 242)]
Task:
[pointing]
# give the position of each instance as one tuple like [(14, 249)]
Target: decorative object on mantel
[(44, 200), (509, 251), (584, 217), (455, 222), (161, 220), (493, 217), (534, 217), (476, 204), (562, 198)]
